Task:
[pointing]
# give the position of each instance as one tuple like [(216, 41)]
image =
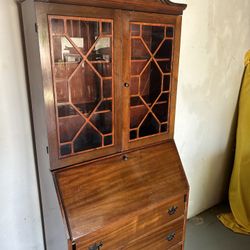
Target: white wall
[(20, 226), (215, 37), (216, 33)]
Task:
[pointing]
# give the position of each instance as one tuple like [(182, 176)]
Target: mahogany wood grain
[(177, 247), (101, 193), (163, 238), (119, 235), (153, 6)]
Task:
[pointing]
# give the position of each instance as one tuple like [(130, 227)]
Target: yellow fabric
[(239, 190)]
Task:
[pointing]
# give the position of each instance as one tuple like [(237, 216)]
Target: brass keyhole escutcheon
[(125, 157)]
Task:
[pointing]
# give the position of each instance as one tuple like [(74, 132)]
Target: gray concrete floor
[(205, 232)]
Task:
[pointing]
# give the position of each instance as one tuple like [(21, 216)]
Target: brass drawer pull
[(96, 246), (172, 210), (171, 236)]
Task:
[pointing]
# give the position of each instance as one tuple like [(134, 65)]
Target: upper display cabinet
[(109, 75)]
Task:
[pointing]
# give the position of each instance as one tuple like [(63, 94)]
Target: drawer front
[(121, 234), (177, 247), (164, 238)]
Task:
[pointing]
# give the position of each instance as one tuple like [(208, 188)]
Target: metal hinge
[(47, 149), (36, 27), (185, 198)]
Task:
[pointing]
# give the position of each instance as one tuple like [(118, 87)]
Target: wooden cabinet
[(103, 80)]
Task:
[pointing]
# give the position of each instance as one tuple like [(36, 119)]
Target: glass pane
[(138, 50), (62, 94), (103, 122), (165, 51), (108, 140), (83, 33), (87, 139), (151, 80), (134, 85), (153, 36), (66, 57), (106, 28), (170, 32), (150, 126), (65, 149), (81, 51), (57, 26), (105, 106), (133, 134), (166, 83), (137, 114), (164, 128), (85, 88), (69, 126), (135, 30), (151, 62), (102, 50), (107, 88), (66, 110)]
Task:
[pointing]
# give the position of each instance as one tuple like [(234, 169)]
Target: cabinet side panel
[(55, 233)]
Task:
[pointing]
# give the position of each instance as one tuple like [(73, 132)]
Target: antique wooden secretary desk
[(103, 80)]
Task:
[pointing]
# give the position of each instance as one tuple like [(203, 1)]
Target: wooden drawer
[(163, 238), (151, 226), (177, 247)]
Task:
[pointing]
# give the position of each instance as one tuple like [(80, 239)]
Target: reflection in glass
[(138, 50), (103, 122), (81, 52), (87, 33), (85, 88), (134, 85), (151, 83), (69, 126), (89, 138), (136, 115), (153, 36)]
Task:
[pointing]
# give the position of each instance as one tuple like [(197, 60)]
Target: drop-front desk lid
[(97, 194)]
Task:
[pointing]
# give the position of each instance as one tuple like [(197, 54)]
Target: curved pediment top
[(168, 2), (180, 6)]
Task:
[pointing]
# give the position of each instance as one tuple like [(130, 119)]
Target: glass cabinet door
[(82, 69), (151, 62)]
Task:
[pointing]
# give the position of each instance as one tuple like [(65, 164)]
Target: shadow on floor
[(206, 232)]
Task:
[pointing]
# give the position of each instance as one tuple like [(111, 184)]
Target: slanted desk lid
[(100, 193)]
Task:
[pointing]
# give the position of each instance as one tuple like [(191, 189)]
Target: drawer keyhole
[(171, 236), (172, 210), (96, 246), (125, 157)]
